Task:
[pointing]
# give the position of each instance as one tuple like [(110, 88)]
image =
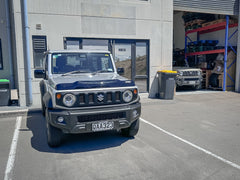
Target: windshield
[(81, 63)]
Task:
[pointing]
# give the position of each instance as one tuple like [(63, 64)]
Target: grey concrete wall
[(237, 80), (124, 19)]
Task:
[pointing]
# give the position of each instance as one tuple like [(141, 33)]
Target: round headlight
[(69, 100), (127, 96)]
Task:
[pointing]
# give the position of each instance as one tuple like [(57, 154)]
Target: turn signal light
[(135, 91), (59, 96)]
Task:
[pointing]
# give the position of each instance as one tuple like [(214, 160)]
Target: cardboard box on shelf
[(219, 66), (218, 69), (203, 65)]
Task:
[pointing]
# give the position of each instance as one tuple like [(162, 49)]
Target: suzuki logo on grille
[(100, 97)]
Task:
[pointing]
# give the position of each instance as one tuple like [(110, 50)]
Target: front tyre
[(54, 135), (43, 107), (198, 87), (132, 130)]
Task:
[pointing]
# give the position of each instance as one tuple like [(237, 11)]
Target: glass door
[(133, 57)]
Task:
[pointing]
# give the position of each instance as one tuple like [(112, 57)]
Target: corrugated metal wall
[(228, 7)]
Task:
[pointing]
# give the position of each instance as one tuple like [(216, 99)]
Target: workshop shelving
[(216, 51), (212, 28)]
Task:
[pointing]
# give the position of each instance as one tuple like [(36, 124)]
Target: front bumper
[(80, 121), (188, 81)]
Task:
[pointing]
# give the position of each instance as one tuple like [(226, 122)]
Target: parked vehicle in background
[(188, 77)]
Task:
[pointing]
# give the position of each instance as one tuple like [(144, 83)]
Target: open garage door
[(226, 7)]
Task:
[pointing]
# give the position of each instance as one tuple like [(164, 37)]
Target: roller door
[(227, 7)]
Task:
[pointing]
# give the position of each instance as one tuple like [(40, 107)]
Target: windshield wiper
[(101, 71), (74, 72)]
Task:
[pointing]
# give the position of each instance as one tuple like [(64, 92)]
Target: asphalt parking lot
[(194, 136)]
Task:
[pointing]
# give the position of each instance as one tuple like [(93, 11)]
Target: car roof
[(76, 51)]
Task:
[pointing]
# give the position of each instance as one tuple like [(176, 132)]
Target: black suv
[(82, 92)]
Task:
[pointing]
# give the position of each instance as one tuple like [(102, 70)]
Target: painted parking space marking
[(193, 145), (12, 153)]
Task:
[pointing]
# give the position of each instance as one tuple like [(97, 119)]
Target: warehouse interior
[(200, 41)]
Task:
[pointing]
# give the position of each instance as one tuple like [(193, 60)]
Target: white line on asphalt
[(12, 153), (193, 145)]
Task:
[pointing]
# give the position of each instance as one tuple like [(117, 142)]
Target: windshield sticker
[(106, 54), (55, 56)]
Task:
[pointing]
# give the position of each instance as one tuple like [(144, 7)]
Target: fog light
[(135, 113), (60, 119)]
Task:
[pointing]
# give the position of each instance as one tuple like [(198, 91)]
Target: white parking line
[(193, 145), (12, 153)]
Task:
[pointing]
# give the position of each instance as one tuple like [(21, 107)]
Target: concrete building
[(133, 30)]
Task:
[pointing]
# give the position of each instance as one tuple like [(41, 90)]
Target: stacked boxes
[(195, 20)]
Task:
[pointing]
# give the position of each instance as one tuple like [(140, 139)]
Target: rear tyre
[(132, 130), (54, 135)]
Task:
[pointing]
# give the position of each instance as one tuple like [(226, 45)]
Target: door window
[(141, 66), (123, 58), (95, 44), (72, 44)]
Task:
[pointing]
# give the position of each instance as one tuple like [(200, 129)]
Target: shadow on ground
[(186, 88), (71, 143)]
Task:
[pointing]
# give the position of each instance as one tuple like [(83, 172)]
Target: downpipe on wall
[(26, 49)]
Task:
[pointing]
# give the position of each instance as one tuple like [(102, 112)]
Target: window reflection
[(123, 59), (141, 58)]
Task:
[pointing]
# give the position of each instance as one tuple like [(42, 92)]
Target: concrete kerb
[(17, 111), (13, 112)]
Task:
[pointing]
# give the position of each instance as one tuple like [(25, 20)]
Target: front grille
[(91, 98), (100, 98), (109, 97), (97, 98), (190, 73), (100, 117)]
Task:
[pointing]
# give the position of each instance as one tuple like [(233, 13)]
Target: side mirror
[(39, 73), (120, 71)]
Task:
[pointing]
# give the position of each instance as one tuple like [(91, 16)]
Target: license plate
[(191, 82), (103, 126)]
